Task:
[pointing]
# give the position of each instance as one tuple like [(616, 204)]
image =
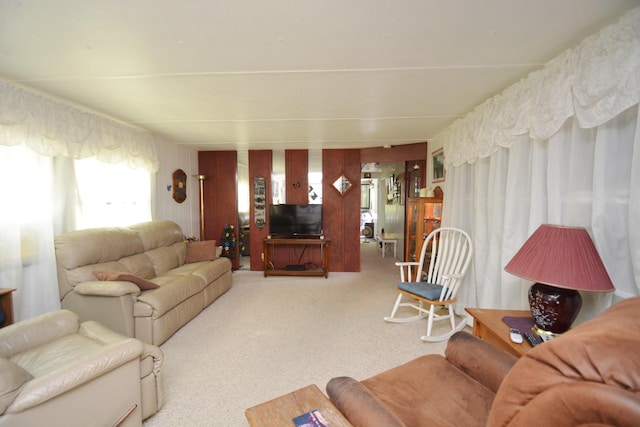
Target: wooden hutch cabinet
[(423, 216)]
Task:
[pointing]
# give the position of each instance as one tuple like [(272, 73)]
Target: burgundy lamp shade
[(561, 260)]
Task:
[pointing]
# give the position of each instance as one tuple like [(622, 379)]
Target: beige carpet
[(268, 336)]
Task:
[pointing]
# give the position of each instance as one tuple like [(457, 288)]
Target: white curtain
[(40, 139), (562, 146), (53, 128), (27, 259)]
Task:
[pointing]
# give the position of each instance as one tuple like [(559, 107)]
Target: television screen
[(295, 220)]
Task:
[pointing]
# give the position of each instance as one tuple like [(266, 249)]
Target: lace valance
[(593, 82), (53, 128)]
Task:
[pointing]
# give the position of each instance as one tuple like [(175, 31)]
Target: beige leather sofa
[(56, 371), (153, 253)]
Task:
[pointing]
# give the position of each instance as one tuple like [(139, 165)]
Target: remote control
[(533, 340), (515, 335)]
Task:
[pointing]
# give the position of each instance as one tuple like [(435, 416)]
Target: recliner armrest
[(359, 405), (478, 359), (152, 382)]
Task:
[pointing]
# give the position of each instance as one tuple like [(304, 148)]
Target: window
[(111, 195)]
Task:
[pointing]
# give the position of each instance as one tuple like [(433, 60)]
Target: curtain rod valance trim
[(593, 82), (54, 128)]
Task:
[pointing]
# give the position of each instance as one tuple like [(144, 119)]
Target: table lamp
[(561, 261)]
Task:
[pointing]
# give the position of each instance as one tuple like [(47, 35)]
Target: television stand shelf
[(271, 270)]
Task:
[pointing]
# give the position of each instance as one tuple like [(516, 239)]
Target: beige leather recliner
[(56, 371)]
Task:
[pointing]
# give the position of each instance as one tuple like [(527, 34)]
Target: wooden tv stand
[(271, 270)]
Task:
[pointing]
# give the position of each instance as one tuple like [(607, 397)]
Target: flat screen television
[(295, 220)]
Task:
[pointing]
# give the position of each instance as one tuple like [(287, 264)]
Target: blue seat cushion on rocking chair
[(425, 290)]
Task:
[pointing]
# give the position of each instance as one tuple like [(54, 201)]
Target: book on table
[(310, 419)]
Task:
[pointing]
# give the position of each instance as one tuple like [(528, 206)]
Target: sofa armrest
[(106, 288), (359, 405), (480, 360), (34, 332)]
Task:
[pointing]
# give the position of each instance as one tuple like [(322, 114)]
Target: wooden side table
[(281, 411), (488, 325), (6, 303)]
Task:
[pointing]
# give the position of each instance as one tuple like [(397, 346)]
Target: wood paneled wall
[(399, 153), (296, 170), (220, 193), (260, 166), (341, 213)]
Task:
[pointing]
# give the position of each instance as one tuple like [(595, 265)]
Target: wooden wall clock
[(179, 186)]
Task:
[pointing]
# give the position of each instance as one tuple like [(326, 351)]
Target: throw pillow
[(201, 251), (142, 283), (12, 379)]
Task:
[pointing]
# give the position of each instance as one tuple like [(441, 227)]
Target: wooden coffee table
[(488, 325), (280, 412)]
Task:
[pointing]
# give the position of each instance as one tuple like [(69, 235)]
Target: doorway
[(383, 203)]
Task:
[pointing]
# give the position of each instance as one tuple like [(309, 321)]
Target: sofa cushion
[(138, 264), (158, 234), (173, 290), (164, 259), (12, 379), (143, 284), (201, 251), (430, 389), (95, 245), (211, 271), (207, 270)]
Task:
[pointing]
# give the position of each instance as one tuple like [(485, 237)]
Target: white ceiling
[(249, 74)]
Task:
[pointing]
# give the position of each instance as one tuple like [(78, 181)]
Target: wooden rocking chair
[(448, 252)]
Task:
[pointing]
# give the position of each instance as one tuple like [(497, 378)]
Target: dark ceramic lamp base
[(553, 309)]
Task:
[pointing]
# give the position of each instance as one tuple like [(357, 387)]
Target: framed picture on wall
[(365, 202), (438, 165)]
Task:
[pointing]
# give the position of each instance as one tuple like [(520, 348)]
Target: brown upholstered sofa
[(151, 254), (588, 376)]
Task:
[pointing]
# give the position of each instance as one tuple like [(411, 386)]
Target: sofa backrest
[(588, 375), (147, 250), (163, 243)]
